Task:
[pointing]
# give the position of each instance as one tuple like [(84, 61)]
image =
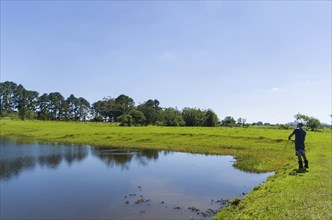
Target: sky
[(259, 60)]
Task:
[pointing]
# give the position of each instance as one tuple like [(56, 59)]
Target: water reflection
[(123, 157), (17, 156)]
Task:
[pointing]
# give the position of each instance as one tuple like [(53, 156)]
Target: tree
[(105, 108), (55, 105), (123, 105), (241, 121), (310, 122), (20, 101), (300, 118), (126, 120), (313, 123), (97, 111), (73, 108), (194, 117), (43, 113), (84, 108), (32, 100), (26, 102), (172, 117), (151, 110), (7, 98), (228, 121), (211, 118), (138, 117)]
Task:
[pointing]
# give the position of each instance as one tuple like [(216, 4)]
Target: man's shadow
[(301, 170)]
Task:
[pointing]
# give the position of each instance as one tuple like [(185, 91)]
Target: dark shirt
[(299, 138)]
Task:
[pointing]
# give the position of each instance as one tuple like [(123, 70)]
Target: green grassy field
[(286, 195)]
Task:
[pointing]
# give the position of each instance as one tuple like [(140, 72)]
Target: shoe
[(300, 165)]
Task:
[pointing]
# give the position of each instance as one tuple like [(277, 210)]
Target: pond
[(57, 181)]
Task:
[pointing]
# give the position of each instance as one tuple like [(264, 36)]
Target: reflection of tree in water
[(123, 157), (144, 156), (113, 157), (75, 153), (11, 168), (18, 156), (51, 161)]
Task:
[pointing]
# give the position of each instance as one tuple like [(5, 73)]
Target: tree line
[(16, 101)]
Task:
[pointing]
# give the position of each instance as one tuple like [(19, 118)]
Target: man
[(299, 145)]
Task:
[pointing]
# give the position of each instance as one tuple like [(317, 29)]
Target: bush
[(235, 201), (98, 118), (30, 115), (125, 120), (13, 116), (285, 127)]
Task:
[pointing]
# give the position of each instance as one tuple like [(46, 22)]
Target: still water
[(56, 181)]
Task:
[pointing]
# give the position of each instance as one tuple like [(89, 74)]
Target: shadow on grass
[(294, 172)]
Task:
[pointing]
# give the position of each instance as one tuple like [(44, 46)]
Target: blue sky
[(259, 60)]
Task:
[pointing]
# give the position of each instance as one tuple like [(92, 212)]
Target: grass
[(288, 194)]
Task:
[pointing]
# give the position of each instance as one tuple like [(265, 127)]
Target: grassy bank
[(286, 195)]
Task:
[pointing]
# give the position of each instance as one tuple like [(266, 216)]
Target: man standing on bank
[(300, 134)]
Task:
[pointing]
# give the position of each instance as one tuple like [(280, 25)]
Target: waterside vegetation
[(289, 194)]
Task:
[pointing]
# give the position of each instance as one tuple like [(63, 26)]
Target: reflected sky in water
[(56, 181)]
